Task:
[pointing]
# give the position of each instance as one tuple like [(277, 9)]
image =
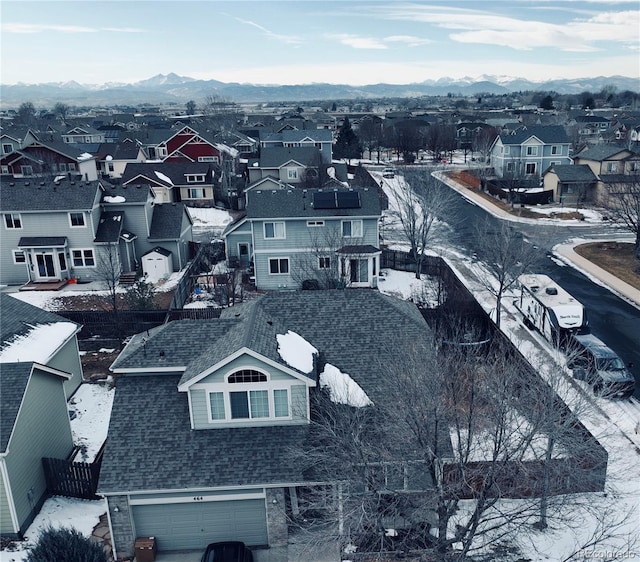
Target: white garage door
[(184, 526)]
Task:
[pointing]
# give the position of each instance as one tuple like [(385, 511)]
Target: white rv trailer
[(548, 308)]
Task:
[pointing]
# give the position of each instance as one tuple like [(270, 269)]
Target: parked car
[(229, 551), (388, 173), (592, 360)]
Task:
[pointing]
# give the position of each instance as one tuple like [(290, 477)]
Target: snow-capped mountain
[(171, 87)]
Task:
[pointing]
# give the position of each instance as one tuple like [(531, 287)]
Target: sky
[(305, 41)]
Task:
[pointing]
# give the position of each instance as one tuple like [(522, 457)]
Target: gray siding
[(68, 360), (42, 430), (6, 526), (199, 395)]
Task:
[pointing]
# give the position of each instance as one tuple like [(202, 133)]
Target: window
[(249, 405), (7, 148), (281, 403), (110, 166), (208, 159), (71, 166), (247, 375), (5, 169), (530, 168), (195, 193), (510, 166), (278, 266), (315, 223), (12, 221), (19, 256), (62, 167), (506, 150), (83, 258), (274, 230), (532, 150), (611, 166), (555, 149), (324, 262), (216, 402), (352, 229), (292, 173), (77, 219), (26, 170), (195, 178)]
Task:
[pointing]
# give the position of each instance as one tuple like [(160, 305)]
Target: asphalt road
[(613, 320)]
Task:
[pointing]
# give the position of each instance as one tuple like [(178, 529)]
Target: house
[(62, 229), (28, 333), (291, 236), (114, 158), (322, 139), (571, 184), (49, 158), (528, 151), (83, 135), (612, 165), (292, 165), (190, 182), (206, 412), (34, 423)]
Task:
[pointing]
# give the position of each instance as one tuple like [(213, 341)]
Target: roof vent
[(41, 183), (27, 183), (12, 184), (551, 291)]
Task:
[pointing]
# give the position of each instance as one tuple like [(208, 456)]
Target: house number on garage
[(198, 498)]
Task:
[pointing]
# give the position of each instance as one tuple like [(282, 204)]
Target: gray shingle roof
[(151, 445), (135, 194), (600, 152), (574, 173), (549, 134), (42, 194), (278, 156), (166, 223), (13, 382), (292, 203), (175, 171)]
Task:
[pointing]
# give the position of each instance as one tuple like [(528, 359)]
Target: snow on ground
[(57, 512), (404, 285), (91, 405)]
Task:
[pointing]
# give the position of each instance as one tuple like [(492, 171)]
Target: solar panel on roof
[(324, 200), (348, 200)]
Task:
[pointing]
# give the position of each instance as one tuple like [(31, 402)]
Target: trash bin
[(145, 549)]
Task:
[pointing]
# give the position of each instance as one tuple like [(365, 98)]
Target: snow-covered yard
[(615, 424)]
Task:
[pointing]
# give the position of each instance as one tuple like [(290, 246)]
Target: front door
[(243, 251), (45, 267)]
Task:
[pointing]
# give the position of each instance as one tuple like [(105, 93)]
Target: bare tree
[(108, 270), (62, 111), (506, 255), (623, 202), (421, 203), (220, 114)]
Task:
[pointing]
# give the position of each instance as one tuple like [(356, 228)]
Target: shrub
[(55, 545)]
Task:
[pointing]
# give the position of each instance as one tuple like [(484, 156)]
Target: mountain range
[(167, 88)]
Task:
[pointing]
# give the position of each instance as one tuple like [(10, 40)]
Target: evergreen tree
[(347, 144)]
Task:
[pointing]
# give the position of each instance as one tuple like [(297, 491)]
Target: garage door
[(184, 526)]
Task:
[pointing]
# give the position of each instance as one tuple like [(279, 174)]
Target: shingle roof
[(151, 445), (42, 194), (166, 223), (13, 382), (290, 203), (574, 173), (549, 134), (278, 156), (175, 171), (600, 152), (18, 317), (138, 193)]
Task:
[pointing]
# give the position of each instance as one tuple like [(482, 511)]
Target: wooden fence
[(72, 479)]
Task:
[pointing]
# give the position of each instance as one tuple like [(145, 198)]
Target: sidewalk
[(564, 251)]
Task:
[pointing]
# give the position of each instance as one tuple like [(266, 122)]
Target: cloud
[(408, 39), (288, 39), (358, 42), (27, 28)]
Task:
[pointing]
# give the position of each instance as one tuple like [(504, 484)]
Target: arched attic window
[(247, 375)]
